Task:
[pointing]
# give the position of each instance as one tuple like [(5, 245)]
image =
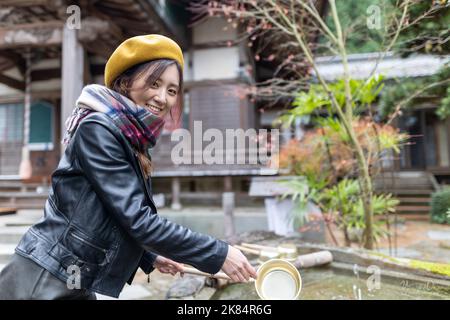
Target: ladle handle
[(253, 251), (258, 246), (219, 275)]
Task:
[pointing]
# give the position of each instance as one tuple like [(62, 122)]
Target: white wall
[(46, 64), (212, 30), (215, 63), (47, 85), (7, 91)]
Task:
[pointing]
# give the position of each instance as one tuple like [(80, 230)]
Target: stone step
[(404, 174), (414, 216), (12, 235), (415, 199), (13, 227), (33, 204), (6, 252), (27, 194), (22, 218), (7, 211), (388, 178), (398, 188), (418, 192), (424, 209), (18, 184), (23, 200)]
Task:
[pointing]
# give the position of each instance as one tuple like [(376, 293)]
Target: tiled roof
[(391, 66)]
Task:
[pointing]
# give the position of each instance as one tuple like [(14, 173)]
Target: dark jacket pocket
[(86, 249)]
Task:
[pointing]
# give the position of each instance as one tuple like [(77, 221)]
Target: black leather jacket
[(100, 217)]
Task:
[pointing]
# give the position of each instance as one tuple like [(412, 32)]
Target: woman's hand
[(165, 265), (237, 267)]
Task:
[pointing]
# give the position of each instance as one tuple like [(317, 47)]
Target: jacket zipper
[(88, 243), (92, 245)]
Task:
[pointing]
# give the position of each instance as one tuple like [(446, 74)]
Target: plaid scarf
[(140, 127)]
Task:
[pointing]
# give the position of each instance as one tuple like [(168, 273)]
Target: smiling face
[(161, 95)]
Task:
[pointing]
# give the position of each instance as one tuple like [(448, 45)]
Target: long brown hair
[(153, 71)]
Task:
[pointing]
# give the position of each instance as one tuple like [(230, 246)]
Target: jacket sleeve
[(147, 260), (103, 159)]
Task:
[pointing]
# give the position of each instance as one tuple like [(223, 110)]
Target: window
[(11, 122), (11, 137), (41, 126)]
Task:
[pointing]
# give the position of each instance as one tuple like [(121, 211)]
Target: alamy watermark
[(373, 282), (373, 17), (74, 279), (74, 20), (251, 147)]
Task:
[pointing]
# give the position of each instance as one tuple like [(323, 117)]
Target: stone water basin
[(328, 283), (346, 278)]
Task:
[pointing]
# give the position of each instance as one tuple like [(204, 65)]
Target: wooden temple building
[(50, 49)]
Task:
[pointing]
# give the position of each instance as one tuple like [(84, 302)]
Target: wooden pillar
[(72, 74), (447, 136), (423, 129), (25, 169), (176, 204), (228, 208), (228, 186)]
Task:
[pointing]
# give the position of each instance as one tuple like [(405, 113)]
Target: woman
[(100, 222)]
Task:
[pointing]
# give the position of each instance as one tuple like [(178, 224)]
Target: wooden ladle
[(263, 254), (218, 275)]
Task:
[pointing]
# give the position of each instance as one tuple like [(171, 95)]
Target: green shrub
[(440, 205)]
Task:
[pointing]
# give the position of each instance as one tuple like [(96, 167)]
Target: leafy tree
[(286, 31)]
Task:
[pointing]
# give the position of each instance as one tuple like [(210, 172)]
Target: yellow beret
[(140, 49)]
